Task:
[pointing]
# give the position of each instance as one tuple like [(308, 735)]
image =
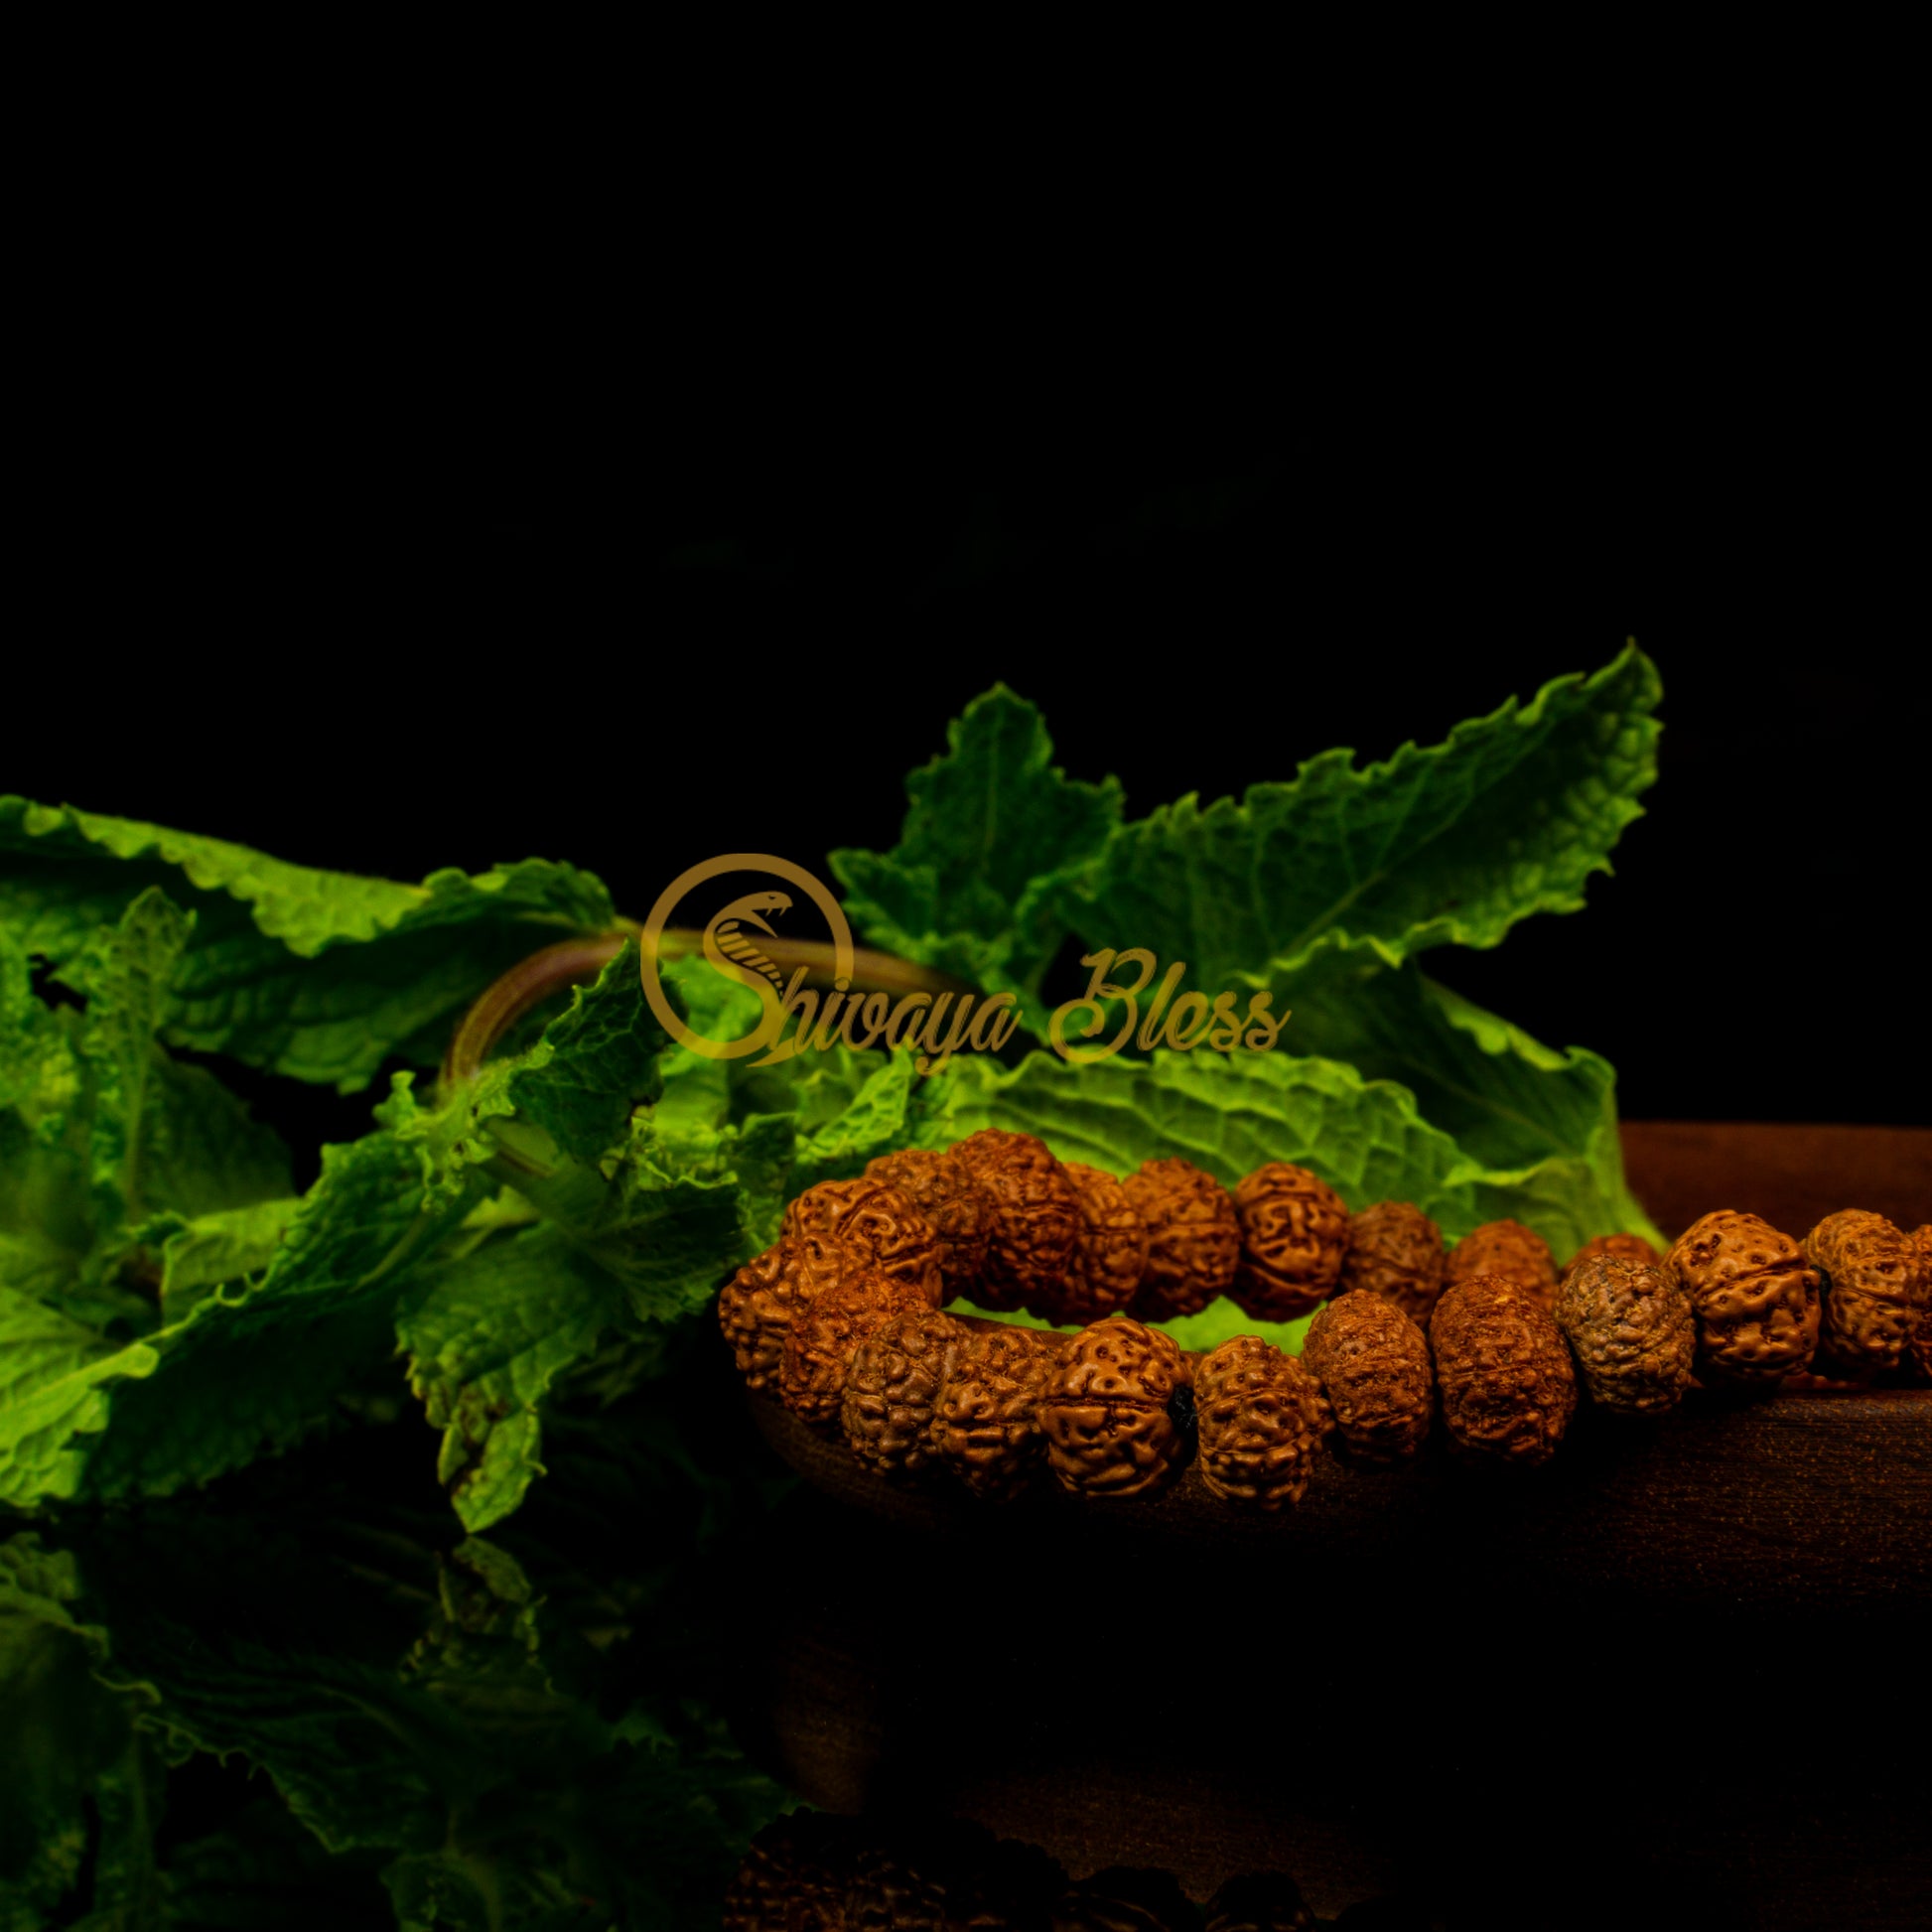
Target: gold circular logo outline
[(773, 1016)]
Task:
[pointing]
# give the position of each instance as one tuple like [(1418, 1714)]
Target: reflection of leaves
[(262, 1868), (490, 1725), (67, 1737)]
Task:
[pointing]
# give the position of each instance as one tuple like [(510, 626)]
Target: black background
[(365, 634)]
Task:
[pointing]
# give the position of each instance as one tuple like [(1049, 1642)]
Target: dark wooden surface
[(1673, 1679)]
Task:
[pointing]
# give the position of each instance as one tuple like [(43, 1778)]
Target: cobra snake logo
[(734, 952), (730, 946)]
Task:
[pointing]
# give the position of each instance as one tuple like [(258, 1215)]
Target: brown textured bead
[(1509, 1249), (874, 1221), (1261, 1417), (1627, 1247), (1294, 1237), (1630, 1324), (941, 1186), (1869, 1277), (1037, 1219), (794, 1876), (1502, 1366), (1105, 1272), (986, 1425), (756, 1306), (1267, 1902), (1394, 1251), (891, 1390), (1372, 1362), (1754, 1296), (827, 1330), (1105, 1413), (1921, 1349), (1193, 1239)]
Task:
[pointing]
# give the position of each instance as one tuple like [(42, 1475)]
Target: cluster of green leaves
[(1324, 890), (441, 1732), (520, 1257), (168, 1311)]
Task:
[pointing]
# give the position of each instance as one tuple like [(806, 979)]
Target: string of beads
[(845, 1321)]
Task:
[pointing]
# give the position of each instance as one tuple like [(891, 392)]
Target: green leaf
[(680, 1211), (1507, 1100), (214, 1249), (235, 1377), (39, 1584), (40, 1073), (645, 1209), (880, 1117), (321, 975), (449, 1137), (596, 1064), (486, 1338), (105, 1126), (1452, 844), (241, 1377), (45, 1230), (994, 835), (670, 1206), (814, 1086), (124, 972), (1227, 1115), (202, 1151), (54, 1397), (576, 1087)]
